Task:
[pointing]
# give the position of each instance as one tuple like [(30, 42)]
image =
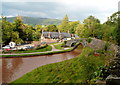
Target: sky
[(57, 9)]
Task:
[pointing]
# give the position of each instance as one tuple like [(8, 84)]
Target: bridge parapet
[(83, 41)]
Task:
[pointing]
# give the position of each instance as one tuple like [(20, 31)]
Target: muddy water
[(13, 68)]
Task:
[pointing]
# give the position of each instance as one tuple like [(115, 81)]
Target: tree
[(79, 30), (108, 33), (115, 19), (15, 38), (36, 32), (52, 28), (7, 29), (112, 28), (19, 27), (72, 26), (64, 24), (92, 24)]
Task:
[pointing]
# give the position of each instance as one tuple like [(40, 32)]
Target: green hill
[(37, 20)]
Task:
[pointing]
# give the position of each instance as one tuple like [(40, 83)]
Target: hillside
[(37, 20)]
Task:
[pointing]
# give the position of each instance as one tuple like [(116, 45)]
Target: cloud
[(75, 9)]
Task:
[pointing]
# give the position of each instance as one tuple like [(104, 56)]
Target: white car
[(6, 47), (24, 47)]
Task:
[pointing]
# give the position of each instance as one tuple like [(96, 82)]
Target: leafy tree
[(38, 28), (92, 23), (111, 28), (52, 28), (115, 19), (19, 27), (79, 30), (72, 26), (108, 33), (7, 29), (64, 24), (37, 32), (29, 32), (15, 37)]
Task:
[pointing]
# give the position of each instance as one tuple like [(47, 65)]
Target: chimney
[(59, 34), (68, 31), (49, 35), (42, 34)]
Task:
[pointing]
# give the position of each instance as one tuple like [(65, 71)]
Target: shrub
[(106, 46), (64, 44), (81, 40), (90, 64), (89, 40)]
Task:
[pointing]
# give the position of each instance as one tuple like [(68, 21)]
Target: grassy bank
[(83, 69), (59, 46)]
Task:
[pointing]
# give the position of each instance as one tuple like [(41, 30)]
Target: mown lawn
[(81, 69), (58, 46)]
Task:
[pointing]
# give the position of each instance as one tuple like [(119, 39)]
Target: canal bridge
[(72, 42)]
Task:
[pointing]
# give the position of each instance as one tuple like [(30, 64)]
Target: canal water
[(13, 68)]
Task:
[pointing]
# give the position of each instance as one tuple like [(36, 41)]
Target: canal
[(13, 68)]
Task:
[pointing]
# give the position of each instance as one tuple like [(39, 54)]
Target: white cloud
[(7, 16), (76, 9)]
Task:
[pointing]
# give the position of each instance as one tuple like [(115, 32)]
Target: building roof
[(57, 34)]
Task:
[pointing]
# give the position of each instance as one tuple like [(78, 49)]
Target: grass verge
[(58, 46)]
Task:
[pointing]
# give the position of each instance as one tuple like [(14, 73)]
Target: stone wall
[(97, 44)]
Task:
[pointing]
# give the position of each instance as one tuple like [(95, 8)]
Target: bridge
[(72, 42)]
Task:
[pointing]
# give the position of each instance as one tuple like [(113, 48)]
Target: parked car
[(6, 47), (24, 47), (43, 42), (29, 47)]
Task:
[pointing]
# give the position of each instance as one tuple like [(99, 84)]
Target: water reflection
[(9, 67), (14, 68)]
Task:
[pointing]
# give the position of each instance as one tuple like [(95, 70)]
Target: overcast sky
[(75, 9)]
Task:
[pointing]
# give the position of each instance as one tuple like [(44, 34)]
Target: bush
[(64, 44), (106, 46), (81, 40), (89, 64), (89, 40), (40, 47)]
